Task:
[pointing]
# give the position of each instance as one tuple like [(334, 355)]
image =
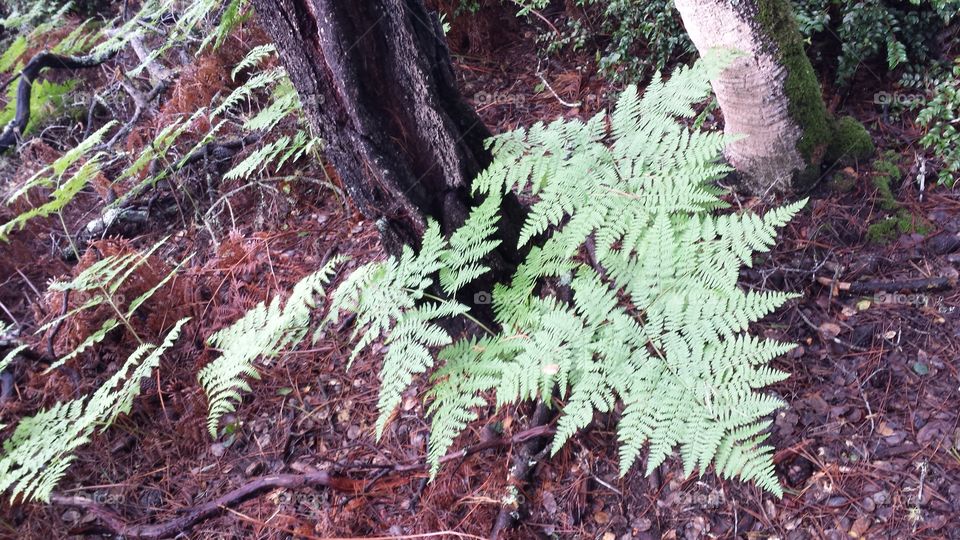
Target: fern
[(659, 325), (264, 331), (41, 448), (254, 57), (65, 187)]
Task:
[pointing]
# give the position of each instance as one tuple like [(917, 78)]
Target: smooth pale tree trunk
[(376, 83), (770, 96)]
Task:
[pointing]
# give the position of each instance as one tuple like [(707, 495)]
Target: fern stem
[(471, 318), (123, 320)]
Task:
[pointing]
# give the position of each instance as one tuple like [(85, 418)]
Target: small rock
[(860, 527), (254, 468), (836, 502), (830, 330), (353, 432), (640, 525), (609, 536), (868, 505)]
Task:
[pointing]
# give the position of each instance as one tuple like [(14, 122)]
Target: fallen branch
[(523, 464), (307, 477), (127, 217), (11, 133), (897, 285), (175, 526)]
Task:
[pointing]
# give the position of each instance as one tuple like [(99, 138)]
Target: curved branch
[(11, 132), (308, 477), (121, 527)]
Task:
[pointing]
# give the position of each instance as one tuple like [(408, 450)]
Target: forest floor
[(869, 445)]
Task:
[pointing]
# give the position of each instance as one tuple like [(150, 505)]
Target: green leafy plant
[(263, 332), (36, 456), (905, 33), (631, 38), (65, 177), (42, 446), (941, 116), (657, 322)]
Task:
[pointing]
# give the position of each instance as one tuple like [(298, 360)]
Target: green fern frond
[(263, 332), (253, 58), (41, 448)]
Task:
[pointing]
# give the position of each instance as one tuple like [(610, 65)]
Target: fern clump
[(656, 322)]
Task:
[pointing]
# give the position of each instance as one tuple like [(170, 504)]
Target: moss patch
[(850, 141), (805, 100), (886, 177), (889, 229)]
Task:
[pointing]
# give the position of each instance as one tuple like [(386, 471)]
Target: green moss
[(890, 228), (802, 88), (850, 141), (886, 177)]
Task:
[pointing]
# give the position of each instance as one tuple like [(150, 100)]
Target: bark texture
[(376, 83), (770, 97)]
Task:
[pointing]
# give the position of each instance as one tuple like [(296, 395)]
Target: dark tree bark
[(377, 85)]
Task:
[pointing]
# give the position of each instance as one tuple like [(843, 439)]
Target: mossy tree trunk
[(376, 83), (770, 96)]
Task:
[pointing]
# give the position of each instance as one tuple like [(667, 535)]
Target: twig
[(56, 327), (175, 526), (307, 477), (560, 99), (141, 103), (523, 465), (836, 340), (896, 285)]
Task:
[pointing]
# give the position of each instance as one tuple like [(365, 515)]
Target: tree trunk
[(376, 83), (770, 97)]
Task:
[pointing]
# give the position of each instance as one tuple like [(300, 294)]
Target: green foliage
[(283, 103), (41, 448), (103, 280), (263, 332), (850, 141), (889, 228), (661, 328), (631, 38), (55, 176), (941, 117), (47, 100), (887, 176), (902, 32), (188, 25)]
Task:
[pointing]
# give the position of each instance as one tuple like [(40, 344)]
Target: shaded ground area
[(868, 447)]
